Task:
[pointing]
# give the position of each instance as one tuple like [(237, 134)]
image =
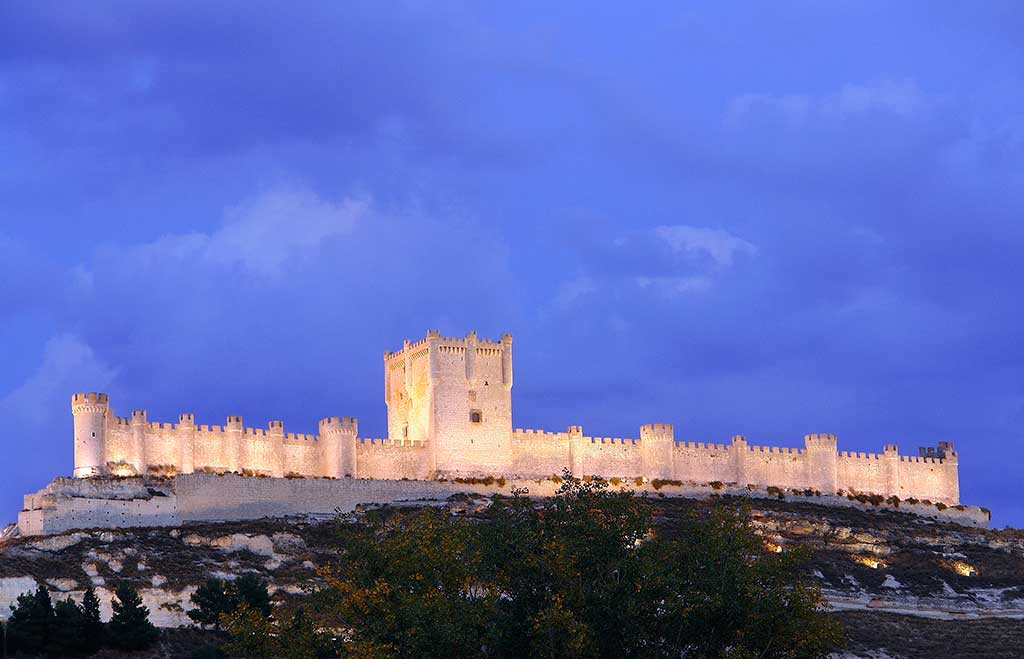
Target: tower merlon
[(91, 397)]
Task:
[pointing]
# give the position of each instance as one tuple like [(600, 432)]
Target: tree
[(581, 574), (31, 620), (252, 634), (66, 634), (255, 636), (130, 628), (251, 590), (212, 600), (407, 587), (92, 625)]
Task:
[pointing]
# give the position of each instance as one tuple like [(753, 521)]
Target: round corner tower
[(90, 411)]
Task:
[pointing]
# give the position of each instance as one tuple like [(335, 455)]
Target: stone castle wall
[(450, 415), (68, 504)]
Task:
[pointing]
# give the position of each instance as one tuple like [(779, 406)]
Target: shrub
[(639, 482), (293, 474), (893, 501), (716, 485), (940, 505), (912, 501), (615, 481), (776, 492), (659, 483)]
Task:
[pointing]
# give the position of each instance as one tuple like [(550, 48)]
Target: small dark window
[(405, 430), (94, 434), (475, 416)]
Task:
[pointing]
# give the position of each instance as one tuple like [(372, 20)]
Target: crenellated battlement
[(89, 398), (450, 415), (392, 443)]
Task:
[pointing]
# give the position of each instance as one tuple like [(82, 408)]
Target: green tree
[(252, 634), (30, 623), (251, 590), (92, 625), (66, 634), (212, 600), (581, 574), (255, 636), (408, 587), (130, 628)]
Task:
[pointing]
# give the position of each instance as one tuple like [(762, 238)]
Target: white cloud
[(673, 286), (261, 234), (573, 289), (720, 245), (898, 98), (68, 365)]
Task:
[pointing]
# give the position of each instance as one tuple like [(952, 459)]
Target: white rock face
[(57, 543)]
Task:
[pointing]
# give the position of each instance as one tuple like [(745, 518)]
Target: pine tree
[(130, 628), (30, 622), (92, 625), (250, 589), (212, 600), (66, 635)]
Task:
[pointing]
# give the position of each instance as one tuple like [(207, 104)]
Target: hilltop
[(902, 583)]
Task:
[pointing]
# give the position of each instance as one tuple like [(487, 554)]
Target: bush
[(615, 481), (940, 505), (716, 485), (893, 501), (912, 501), (776, 492), (130, 628)]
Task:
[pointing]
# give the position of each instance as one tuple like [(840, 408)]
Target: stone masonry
[(449, 406)]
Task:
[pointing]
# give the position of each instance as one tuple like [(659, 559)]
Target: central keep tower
[(456, 395)]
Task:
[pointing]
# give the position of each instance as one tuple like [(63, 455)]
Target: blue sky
[(768, 218)]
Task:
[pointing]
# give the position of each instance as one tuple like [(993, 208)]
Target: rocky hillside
[(905, 586)]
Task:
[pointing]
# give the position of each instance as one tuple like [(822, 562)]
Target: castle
[(449, 403)]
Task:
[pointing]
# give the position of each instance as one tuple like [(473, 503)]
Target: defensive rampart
[(112, 502), (450, 417)]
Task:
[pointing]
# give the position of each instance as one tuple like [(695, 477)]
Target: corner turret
[(338, 446), (90, 411)]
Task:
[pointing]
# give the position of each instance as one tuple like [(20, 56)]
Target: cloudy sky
[(768, 219)]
